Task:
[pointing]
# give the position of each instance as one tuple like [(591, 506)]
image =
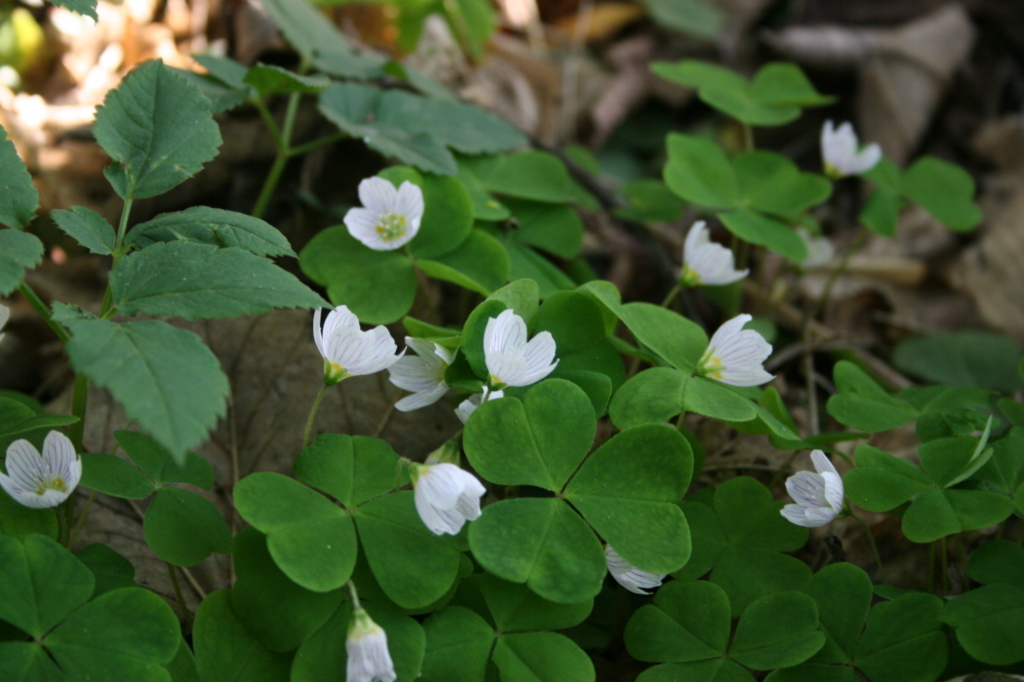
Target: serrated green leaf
[(19, 251), (355, 109), (19, 198), (320, 41), (88, 228), (465, 128), (268, 79), (378, 286), (83, 7), (183, 528), (158, 127), (166, 378), (212, 226), (199, 281)]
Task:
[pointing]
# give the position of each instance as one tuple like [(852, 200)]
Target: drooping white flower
[(367, 646), (347, 350), (468, 406), (818, 497), (841, 153), (5, 314), (389, 218), (819, 249), (41, 481), (735, 354), (705, 262), (421, 374), (446, 496), (511, 360), (628, 575)]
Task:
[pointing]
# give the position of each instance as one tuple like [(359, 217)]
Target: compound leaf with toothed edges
[(19, 251), (212, 226), (158, 129), (19, 198), (166, 378), (88, 228), (199, 281)]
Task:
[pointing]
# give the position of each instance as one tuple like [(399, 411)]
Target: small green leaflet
[(166, 378), (18, 252), (158, 127), (86, 7), (18, 196), (212, 226), (197, 281), (88, 228)]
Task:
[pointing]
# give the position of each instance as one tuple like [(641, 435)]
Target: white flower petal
[(539, 355), (421, 399), (734, 355), (839, 151), (409, 203), (378, 195), (818, 496), (632, 578), (362, 224), (367, 647), (446, 497), (505, 334), (867, 159), (710, 263), (354, 351), (468, 406), (41, 481), (822, 464), (807, 489)]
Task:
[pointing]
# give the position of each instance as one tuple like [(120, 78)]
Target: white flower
[(367, 648), (629, 576), (468, 406), (839, 149), (446, 496), (819, 249), (347, 350), (391, 217), (421, 374), (5, 314), (734, 355), (511, 361), (41, 481), (705, 262), (818, 497)]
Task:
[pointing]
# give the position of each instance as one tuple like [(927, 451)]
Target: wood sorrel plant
[(490, 560)]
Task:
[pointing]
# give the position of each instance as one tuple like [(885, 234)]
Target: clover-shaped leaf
[(127, 633), (739, 538), (863, 404), (687, 630), (227, 650), (896, 641)]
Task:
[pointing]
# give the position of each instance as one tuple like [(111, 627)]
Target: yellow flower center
[(689, 277), (391, 226), (333, 373), (710, 365), (57, 484)]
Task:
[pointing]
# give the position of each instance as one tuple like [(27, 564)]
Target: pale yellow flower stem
[(178, 595), (354, 594)]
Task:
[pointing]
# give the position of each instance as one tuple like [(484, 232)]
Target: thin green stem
[(271, 124), (855, 245), (282, 140), (672, 295), (81, 520), (782, 470), (79, 405), (178, 595), (44, 311), (122, 227), (748, 138), (316, 144), (354, 594), (312, 415), (931, 567), (871, 539)]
